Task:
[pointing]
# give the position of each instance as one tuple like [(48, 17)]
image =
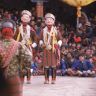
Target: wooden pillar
[(39, 9)]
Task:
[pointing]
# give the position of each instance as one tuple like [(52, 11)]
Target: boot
[(28, 76), (46, 72), (53, 73)]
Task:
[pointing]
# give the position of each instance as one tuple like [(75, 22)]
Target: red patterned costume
[(11, 53)]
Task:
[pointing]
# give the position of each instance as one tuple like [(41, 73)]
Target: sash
[(27, 36), (7, 53), (18, 37), (50, 38)]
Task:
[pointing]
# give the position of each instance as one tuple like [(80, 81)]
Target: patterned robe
[(11, 55)]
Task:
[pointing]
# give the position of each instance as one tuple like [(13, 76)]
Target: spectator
[(63, 65), (83, 67)]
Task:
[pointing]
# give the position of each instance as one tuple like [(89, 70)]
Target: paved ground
[(65, 86)]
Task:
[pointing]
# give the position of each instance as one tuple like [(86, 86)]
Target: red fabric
[(50, 59), (77, 39), (56, 46), (7, 32), (6, 53)]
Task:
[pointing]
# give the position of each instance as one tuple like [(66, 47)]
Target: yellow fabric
[(29, 41), (50, 38), (77, 3), (54, 41), (78, 11), (18, 37)]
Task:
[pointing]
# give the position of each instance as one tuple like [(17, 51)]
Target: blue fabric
[(34, 66), (62, 64), (38, 31), (82, 66)]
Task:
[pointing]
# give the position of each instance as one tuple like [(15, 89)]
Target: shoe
[(28, 82), (53, 82), (46, 82)]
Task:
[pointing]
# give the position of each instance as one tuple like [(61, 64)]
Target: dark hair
[(7, 23), (83, 55)]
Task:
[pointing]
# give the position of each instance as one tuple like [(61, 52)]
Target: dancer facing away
[(11, 54)]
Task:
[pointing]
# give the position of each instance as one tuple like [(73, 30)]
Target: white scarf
[(25, 36), (47, 40)]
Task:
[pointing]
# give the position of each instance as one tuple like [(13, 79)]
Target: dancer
[(50, 46), (26, 35), (11, 54)]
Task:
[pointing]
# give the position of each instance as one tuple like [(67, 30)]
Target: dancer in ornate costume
[(11, 54), (51, 49), (26, 36)]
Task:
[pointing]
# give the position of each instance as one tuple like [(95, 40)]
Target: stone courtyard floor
[(65, 86)]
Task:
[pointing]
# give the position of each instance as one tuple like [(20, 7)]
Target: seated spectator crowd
[(78, 50)]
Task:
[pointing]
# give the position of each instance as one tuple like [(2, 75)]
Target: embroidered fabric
[(5, 52)]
